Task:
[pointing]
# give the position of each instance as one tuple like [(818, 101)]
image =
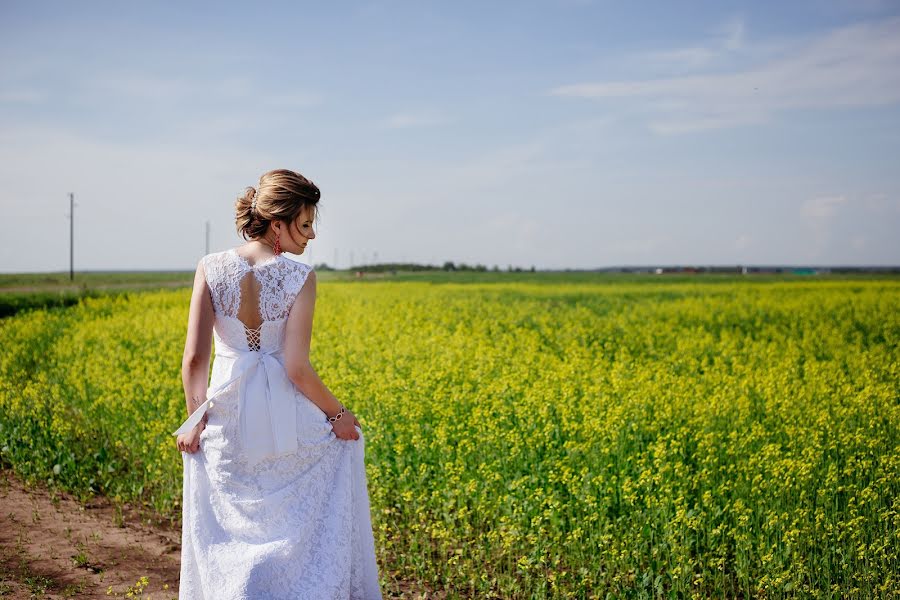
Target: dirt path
[(53, 547)]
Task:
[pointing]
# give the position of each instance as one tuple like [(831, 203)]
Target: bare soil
[(52, 546)]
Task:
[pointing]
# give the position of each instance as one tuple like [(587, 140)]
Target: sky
[(558, 133)]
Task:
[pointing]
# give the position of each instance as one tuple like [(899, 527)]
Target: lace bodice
[(252, 301)]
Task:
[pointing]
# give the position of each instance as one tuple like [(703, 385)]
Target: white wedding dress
[(275, 505)]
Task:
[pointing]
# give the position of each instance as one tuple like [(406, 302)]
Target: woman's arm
[(198, 345), (297, 337)]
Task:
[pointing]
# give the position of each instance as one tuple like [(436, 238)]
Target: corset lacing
[(253, 337)]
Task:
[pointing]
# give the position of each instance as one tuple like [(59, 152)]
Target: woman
[(275, 500)]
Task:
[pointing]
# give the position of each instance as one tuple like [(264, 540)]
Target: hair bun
[(287, 193)]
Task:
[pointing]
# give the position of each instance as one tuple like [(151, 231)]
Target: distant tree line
[(447, 266)]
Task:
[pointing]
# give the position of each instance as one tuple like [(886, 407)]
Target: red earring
[(277, 247)]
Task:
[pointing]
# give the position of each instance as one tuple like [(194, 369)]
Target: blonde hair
[(280, 196)]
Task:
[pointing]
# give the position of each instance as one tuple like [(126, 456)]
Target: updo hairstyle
[(280, 196)]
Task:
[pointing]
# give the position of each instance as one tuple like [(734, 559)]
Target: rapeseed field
[(546, 439)]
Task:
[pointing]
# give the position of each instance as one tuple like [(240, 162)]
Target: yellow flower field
[(555, 439)]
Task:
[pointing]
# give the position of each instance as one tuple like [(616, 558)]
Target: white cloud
[(689, 124), (690, 58), (822, 208), (503, 163), (726, 40), (881, 203), (410, 120), (854, 66), (147, 92), (733, 34)]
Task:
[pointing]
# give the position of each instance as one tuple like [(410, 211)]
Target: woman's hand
[(190, 442), (345, 427)]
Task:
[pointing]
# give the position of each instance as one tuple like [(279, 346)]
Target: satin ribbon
[(267, 406)]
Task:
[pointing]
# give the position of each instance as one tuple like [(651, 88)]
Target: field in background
[(24, 291), (537, 435)]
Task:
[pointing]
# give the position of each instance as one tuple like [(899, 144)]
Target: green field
[(537, 435)]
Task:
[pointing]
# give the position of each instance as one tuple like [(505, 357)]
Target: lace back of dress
[(249, 312), (253, 294)]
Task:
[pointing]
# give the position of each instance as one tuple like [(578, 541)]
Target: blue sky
[(557, 134)]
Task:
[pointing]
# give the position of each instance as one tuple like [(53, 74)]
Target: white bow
[(267, 428)]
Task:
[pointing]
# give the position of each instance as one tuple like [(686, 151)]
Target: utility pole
[(71, 236), (335, 258), (207, 237)]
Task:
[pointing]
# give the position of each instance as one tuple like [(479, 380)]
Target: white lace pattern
[(294, 526)]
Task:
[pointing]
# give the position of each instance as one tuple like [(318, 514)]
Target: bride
[(275, 500)]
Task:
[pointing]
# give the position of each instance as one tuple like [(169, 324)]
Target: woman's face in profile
[(299, 232)]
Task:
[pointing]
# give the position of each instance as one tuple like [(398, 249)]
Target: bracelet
[(337, 416)]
